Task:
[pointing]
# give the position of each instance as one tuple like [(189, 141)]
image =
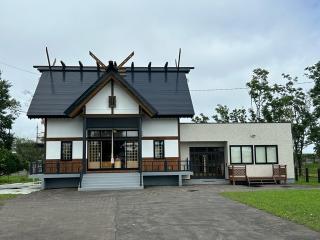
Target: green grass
[(312, 182), (14, 179), (300, 206), (4, 197)]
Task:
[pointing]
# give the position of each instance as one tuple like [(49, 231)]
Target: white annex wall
[(125, 104), (64, 127), (159, 127), (243, 134)]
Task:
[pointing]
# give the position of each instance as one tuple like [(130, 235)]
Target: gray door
[(207, 162)]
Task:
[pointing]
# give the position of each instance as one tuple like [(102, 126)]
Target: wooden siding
[(160, 165), (53, 166)]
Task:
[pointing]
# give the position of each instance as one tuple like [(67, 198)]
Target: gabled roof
[(161, 92), (109, 75)]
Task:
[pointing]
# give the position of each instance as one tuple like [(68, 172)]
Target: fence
[(308, 175)]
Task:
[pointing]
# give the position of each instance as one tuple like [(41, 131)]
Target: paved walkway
[(190, 212), (20, 188)]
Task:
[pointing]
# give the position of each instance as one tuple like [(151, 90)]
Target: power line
[(17, 68)]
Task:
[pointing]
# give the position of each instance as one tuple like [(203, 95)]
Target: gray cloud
[(223, 40)]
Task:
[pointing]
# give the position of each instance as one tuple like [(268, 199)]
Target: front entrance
[(112, 149), (207, 162)]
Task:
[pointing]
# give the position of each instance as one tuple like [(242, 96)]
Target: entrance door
[(94, 154), (106, 154), (207, 162)]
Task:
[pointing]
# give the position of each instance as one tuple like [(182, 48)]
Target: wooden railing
[(55, 167)]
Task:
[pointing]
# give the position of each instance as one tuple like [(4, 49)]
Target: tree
[(287, 103), (260, 93), (200, 119), (9, 109), (9, 162), (223, 115), (28, 151), (313, 73), (238, 115)]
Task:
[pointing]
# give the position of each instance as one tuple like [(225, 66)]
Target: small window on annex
[(266, 154), (241, 154)]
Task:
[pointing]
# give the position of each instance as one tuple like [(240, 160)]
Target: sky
[(223, 40)]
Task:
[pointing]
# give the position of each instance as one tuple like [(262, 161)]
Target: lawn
[(312, 182), (4, 197), (300, 206), (14, 179)]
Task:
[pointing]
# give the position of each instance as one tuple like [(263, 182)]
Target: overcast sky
[(223, 40)]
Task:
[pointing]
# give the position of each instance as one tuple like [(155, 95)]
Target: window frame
[(112, 102), (61, 150), (154, 149), (266, 154), (241, 163)]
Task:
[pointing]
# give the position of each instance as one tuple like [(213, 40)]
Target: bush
[(9, 162), (28, 151)]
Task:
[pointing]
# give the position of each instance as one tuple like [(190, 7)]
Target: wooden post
[(48, 58), (307, 175), (296, 174), (318, 175)]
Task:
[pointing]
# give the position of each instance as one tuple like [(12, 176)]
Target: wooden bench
[(261, 180), (239, 173)]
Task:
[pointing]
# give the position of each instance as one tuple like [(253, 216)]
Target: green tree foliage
[(313, 73), (260, 93), (28, 151), (9, 162), (200, 119), (9, 109), (223, 115)]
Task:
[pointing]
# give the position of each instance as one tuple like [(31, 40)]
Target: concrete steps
[(110, 181)]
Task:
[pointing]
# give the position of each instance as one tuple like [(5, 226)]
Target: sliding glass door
[(113, 149)]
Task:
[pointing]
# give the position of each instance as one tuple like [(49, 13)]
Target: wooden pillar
[(84, 144), (140, 151)]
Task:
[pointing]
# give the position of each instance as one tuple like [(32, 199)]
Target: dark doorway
[(207, 162), (106, 154)]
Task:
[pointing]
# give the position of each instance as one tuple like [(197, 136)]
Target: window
[(158, 146), (241, 155), (94, 133), (266, 154), (66, 150), (132, 150), (112, 101)]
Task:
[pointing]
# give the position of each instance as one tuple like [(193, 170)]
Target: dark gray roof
[(166, 91)]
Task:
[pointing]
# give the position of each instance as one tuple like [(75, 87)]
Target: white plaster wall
[(77, 150), (171, 148), (147, 148), (159, 127), (64, 127), (245, 134), (53, 150), (125, 103), (99, 103)]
